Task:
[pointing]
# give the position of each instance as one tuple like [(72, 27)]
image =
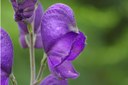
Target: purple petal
[(23, 27), (77, 47), (67, 10), (6, 52), (14, 5), (4, 78), (64, 70), (68, 47), (23, 32), (38, 41), (22, 40), (38, 17), (23, 9), (53, 80), (61, 49), (56, 22)]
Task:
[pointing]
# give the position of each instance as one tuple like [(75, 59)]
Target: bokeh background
[(105, 58)]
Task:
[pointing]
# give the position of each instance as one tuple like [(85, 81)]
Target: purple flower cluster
[(55, 31), (6, 57), (62, 42), (27, 12)]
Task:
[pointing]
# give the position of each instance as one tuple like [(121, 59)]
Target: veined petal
[(56, 22), (6, 52), (53, 80)]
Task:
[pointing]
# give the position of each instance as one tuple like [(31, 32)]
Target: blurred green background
[(105, 58)]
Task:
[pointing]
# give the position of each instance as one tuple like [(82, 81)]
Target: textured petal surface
[(67, 10), (53, 80), (64, 70), (6, 52), (56, 22)]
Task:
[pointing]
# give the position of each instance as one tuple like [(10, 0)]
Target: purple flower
[(53, 80), (6, 50), (23, 9), (62, 40), (28, 13)]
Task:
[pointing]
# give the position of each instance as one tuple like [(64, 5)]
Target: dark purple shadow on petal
[(61, 49), (6, 52), (53, 80), (64, 70), (77, 47)]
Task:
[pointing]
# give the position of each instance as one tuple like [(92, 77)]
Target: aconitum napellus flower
[(62, 42), (24, 9), (6, 56), (28, 12)]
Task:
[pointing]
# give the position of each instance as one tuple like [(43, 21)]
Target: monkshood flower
[(6, 49), (27, 13), (62, 41), (23, 9)]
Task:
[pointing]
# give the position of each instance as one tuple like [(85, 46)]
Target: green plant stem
[(41, 69), (13, 79), (32, 56)]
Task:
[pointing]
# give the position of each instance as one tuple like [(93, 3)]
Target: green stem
[(41, 69), (13, 79), (32, 55)]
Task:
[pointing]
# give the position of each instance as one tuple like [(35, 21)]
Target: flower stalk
[(32, 55), (41, 69)]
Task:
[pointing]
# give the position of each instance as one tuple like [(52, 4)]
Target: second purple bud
[(28, 12)]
